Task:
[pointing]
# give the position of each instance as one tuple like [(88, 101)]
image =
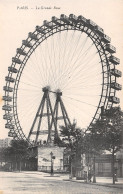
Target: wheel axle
[(47, 88)]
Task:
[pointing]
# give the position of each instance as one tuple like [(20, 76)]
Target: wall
[(44, 158)]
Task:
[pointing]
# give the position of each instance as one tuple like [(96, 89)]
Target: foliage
[(17, 151), (2, 154), (19, 148), (72, 136), (19, 155), (111, 128), (73, 139), (106, 133), (93, 141), (93, 146)]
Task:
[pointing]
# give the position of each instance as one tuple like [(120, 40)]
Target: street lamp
[(52, 158)]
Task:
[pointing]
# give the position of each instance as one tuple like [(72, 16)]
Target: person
[(89, 176), (115, 175), (85, 176)]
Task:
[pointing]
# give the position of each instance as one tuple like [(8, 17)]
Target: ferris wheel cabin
[(7, 89), (55, 20), (9, 126), (116, 72), (11, 134), (48, 24), (82, 19), (116, 86), (21, 51), (40, 30), (91, 23), (7, 98), (110, 48), (73, 18), (26, 43), (12, 69), (106, 39), (99, 30), (8, 116), (32, 36), (7, 107), (9, 79), (64, 18), (114, 60), (114, 99), (16, 60)]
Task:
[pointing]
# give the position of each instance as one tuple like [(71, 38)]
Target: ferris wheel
[(65, 70)]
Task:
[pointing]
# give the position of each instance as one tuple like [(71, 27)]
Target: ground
[(41, 183)]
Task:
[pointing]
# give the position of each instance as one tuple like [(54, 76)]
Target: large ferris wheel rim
[(81, 27), (82, 30)]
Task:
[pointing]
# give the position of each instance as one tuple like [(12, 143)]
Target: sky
[(21, 16)]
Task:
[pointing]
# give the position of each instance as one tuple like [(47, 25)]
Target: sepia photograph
[(61, 98)]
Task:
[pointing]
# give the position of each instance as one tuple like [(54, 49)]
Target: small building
[(81, 163), (48, 154), (104, 165)]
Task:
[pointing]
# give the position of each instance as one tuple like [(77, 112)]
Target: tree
[(71, 135), (18, 152), (72, 140), (93, 145), (111, 129)]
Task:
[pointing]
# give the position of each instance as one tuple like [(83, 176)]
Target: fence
[(48, 169)]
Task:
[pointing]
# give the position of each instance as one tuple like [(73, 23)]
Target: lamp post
[(52, 158), (94, 173)]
